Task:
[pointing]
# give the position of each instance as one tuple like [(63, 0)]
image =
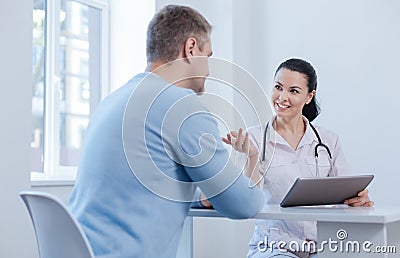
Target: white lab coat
[(285, 166)]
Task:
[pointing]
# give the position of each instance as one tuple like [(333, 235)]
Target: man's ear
[(189, 49)]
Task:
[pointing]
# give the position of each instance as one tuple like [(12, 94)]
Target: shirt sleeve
[(339, 163), (207, 162)]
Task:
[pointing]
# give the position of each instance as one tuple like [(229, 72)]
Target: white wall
[(128, 26), (16, 235), (354, 46)]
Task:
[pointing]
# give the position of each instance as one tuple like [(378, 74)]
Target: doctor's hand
[(240, 142), (362, 199)]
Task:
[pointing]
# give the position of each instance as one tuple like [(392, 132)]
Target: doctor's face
[(290, 93)]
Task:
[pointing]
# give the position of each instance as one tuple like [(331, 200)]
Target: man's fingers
[(233, 133), (246, 142), (240, 139), (225, 140)]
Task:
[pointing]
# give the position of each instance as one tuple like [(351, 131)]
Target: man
[(151, 143)]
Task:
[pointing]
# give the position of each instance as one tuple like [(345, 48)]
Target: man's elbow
[(248, 212), (243, 211)]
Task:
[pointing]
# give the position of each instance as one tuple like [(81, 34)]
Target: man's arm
[(221, 181)]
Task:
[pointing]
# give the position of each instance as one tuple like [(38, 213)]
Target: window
[(70, 77)]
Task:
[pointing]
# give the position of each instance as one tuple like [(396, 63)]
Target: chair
[(58, 233)]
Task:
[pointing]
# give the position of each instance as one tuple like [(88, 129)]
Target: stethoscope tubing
[(320, 144)]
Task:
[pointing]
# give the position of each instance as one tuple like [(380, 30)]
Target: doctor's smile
[(281, 105)]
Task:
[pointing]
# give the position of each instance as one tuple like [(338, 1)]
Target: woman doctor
[(289, 151)]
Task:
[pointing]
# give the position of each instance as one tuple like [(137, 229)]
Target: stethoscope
[(320, 144)]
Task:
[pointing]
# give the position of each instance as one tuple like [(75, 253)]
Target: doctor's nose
[(283, 96)]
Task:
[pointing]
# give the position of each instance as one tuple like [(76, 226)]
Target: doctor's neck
[(293, 125)]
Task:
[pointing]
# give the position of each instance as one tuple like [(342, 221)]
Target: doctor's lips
[(281, 105)]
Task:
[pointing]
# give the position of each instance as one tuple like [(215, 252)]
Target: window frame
[(52, 169)]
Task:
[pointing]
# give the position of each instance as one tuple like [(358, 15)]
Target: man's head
[(170, 29)]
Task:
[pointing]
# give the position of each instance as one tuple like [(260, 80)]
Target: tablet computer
[(307, 191)]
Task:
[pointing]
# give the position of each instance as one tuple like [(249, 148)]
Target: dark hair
[(170, 28), (312, 109)]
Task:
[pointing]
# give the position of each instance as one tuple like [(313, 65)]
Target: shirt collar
[(308, 137)]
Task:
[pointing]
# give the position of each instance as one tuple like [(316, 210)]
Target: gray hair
[(170, 28)]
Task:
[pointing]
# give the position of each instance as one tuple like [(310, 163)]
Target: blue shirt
[(147, 147)]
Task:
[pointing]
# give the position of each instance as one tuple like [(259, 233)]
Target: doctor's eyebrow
[(290, 87), (295, 87)]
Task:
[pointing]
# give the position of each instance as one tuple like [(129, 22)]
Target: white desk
[(366, 228)]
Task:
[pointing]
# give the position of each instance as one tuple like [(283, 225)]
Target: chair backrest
[(58, 233)]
